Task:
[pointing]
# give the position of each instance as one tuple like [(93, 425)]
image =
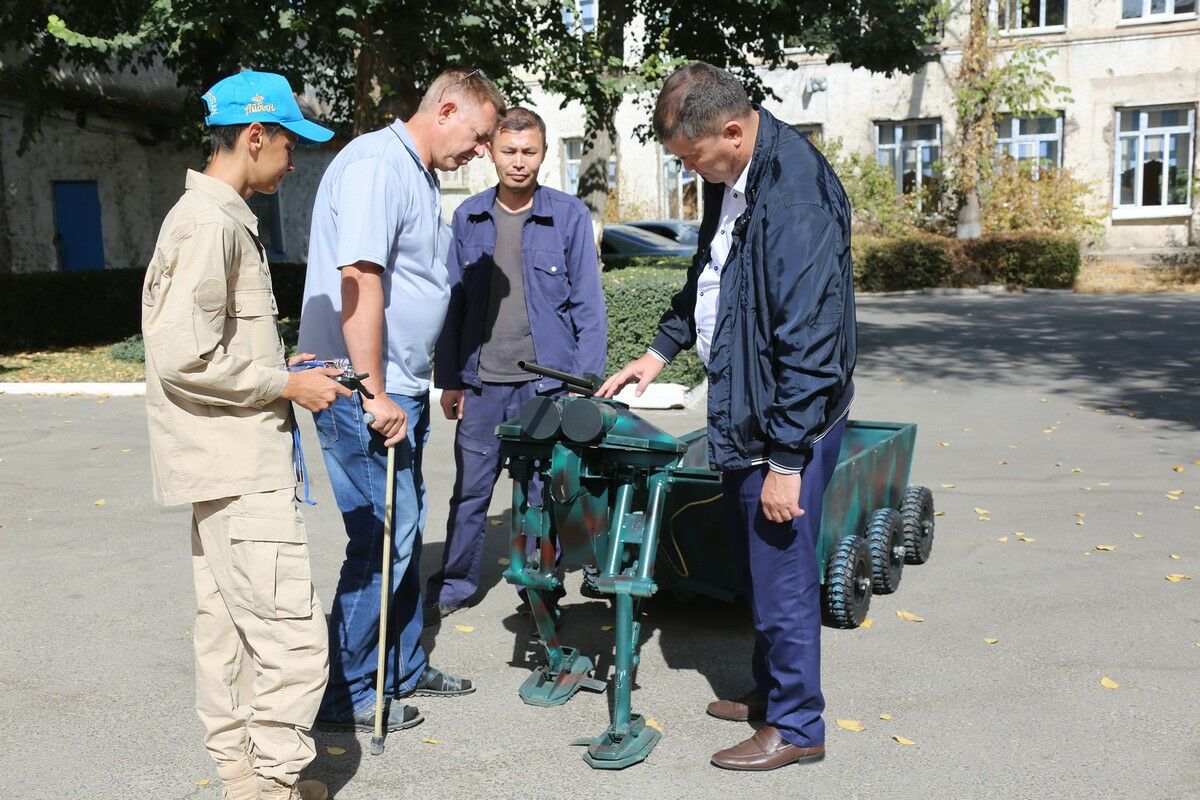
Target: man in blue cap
[(219, 404)]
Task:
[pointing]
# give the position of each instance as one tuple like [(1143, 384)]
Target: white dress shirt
[(708, 287)]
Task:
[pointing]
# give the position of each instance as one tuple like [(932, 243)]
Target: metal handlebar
[(587, 384)]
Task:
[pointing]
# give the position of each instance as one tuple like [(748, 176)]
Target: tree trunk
[(602, 105), (970, 216), (593, 176), (374, 69), (976, 106)]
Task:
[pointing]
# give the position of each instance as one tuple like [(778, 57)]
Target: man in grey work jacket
[(525, 286), (769, 306)]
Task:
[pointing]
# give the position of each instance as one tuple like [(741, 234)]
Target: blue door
[(78, 237)]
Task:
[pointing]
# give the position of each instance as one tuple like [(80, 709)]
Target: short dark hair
[(224, 137), (696, 100), (519, 118)]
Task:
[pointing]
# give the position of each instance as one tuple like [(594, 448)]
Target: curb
[(101, 389)]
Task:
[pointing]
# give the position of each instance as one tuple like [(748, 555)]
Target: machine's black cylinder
[(585, 420), (540, 418)]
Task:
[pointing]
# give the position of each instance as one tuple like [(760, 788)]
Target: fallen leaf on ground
[(943, 444), (1139, 513), (949, 485), (504, 562), (903, 741), (651, 722), (1076, 470), (885, 716), (1080, 522), (1177, 467), (991, 640), (202, 782), (1026, 539), (334, 750), (943, 513), (1175, 556), (985, 519), (99, 502), (127, 450), (866, 623), (1003, 463), (1106, 547), (430, 740), (465, 628), (1002, 539), (1139, 536), (852, 725), (1176, 577), (908, 616), (979, 510), (1043, 400), (1109, 683), (1080, 514)]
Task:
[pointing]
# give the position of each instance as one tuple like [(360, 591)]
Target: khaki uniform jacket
[(215, 366)]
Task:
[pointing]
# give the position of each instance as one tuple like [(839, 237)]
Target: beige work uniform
[(221, 439)]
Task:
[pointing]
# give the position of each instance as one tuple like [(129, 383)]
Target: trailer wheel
[(846, 594), (916, 515), (885, 537)]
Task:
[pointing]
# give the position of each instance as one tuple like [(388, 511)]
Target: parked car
[(619, 243), (684, 231)]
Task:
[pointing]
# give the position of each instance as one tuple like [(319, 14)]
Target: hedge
[(40, 310), (1023, 259), (636, 298)]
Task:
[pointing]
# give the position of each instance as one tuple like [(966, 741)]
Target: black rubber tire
[(885, 537), (846, 595), (916, 515)]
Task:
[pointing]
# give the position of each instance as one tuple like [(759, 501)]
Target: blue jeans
[(357, 464)]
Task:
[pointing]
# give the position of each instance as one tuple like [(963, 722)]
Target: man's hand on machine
[(390, 420), (643, 370), (313, 389), (452, 403)]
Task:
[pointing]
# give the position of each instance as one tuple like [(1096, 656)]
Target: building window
[(1030, 140), (1151, 9), (1016, 16), (911, 150), (810, 132), (270, 226), (572, 161), (1154, 157), (681, 189), (582, 10)]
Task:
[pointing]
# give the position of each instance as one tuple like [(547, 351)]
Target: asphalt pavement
[(1048, 425)]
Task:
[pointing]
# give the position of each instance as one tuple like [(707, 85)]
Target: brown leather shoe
[(749, 708), (765, 750)]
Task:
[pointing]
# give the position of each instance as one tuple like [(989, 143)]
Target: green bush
[(636, 298), (39, 310), (131, 350), (611, 262), (1036, 259), (906, 262)]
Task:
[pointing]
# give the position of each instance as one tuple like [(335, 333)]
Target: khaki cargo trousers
[(262, 653)]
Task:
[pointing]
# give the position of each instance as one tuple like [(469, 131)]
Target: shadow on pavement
[(1131, 353)]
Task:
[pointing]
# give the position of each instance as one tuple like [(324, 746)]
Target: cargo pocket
[(269, 565)]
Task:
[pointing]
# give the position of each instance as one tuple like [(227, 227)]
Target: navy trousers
[(784, 592), (477, 468)]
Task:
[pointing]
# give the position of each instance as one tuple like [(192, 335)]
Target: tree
[(991, 80), (635, 44), (368, 60)]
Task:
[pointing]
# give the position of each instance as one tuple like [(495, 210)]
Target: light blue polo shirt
[(377, 202)]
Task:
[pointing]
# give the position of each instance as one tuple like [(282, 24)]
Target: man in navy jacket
[(525, 286), (769, 306)]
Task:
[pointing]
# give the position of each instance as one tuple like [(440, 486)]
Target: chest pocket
[(550, 276), (250, 310)]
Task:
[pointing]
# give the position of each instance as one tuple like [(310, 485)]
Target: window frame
[(1019, 7), (897, 145), (1014, 139), (1137, 210), (1148, 17), (666, 159)]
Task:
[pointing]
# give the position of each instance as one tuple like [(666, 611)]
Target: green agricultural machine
[(642, 507)]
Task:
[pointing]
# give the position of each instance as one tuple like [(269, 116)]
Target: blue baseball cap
[(259, 97)]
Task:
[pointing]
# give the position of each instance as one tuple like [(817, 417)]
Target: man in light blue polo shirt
[(376, 292)]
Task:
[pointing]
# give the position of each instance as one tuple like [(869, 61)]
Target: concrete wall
[(138, 181)]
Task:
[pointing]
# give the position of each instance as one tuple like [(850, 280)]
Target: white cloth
[(708, 287)]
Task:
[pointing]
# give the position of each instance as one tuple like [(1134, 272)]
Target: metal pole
[(385, 596)]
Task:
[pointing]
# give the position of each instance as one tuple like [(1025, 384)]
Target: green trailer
[(642, 508)]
